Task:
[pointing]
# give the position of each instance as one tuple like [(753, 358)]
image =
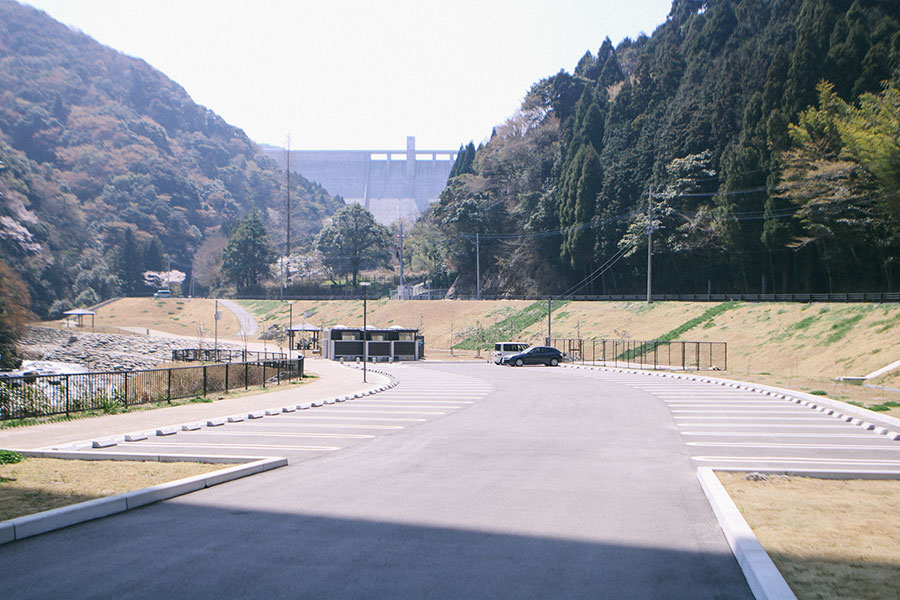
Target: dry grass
[(829, 538), (39, 484), (179, 316)]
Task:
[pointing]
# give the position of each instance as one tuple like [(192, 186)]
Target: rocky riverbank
[(102, 351)]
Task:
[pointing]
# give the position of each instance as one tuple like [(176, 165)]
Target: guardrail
[(223, 355), (647, 354), (48, 395)]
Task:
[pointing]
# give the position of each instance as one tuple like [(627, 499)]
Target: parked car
[(504, 349), (163, 294), (536, 355)]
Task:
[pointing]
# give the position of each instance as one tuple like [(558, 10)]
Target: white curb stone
[(136, 437), (162, 431), (104, 443), (191, 426)]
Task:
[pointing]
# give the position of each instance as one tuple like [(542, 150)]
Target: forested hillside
[(766, 133), (109, 169)]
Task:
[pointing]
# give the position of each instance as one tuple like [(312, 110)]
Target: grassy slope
[(803, 346)]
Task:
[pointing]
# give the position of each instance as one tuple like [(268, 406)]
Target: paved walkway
[(333, 380)]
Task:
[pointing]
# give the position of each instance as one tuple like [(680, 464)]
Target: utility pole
[(477, 268), (401, 292), (649, 246), (287, 240), (549, 310)]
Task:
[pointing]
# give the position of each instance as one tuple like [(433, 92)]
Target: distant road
[(249, 326)]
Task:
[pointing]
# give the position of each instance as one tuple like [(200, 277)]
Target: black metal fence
[(223, 355), (647, 354), (48, 395)]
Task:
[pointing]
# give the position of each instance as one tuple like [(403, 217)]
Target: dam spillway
[(392, 184)]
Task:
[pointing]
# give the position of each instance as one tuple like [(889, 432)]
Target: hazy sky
[(358, 74)]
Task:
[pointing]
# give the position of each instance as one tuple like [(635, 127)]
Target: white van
[(163, 294), (502, 349)]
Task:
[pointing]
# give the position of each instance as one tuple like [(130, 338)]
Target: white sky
[(357, 74)]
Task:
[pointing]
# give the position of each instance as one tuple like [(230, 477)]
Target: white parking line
[(798, 459), (386, 405), (387, 400), (769, 426), (790, 445), (323, 425), (256, 446), (728, 417), (303, 434), (769, 434), (343, 409), (720, 404), (761, 411), (305, 417)]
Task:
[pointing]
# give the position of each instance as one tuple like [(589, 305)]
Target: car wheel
[(554, 362), (519, 362)]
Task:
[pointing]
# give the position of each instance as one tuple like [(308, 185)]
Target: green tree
[(353, 241), (248, 255)]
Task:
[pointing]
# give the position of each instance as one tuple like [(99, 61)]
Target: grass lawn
[(829, 538)]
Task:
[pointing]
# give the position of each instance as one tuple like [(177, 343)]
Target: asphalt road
[(468, 481)]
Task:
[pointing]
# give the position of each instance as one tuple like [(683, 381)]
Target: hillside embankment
[(801, 346)]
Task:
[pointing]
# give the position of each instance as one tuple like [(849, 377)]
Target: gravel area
[(102, 351)]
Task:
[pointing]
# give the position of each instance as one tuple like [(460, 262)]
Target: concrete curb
[(50, 520), (108, 442), (762, 576)]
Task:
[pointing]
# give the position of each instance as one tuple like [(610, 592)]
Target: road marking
[(307, 434), (762, 411), (384, 405), (344, 409), (304, 417), (751, 403), (388, 400), (727, 417), (325, 425), (791, 445), (798, 459), (770, 426), (768, 434), (256, 446)]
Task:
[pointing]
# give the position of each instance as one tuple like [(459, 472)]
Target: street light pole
[(290, 327), (365, 335)]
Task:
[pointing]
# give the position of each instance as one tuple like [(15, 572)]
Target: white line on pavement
[(797, 459), (304, 417), (728, 417), (257, 446), (792, 445), (353, 411), (308, 434), (769, 434)]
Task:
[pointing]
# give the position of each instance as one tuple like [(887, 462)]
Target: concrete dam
[(392, 184)]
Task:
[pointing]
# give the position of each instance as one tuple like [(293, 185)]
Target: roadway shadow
[(172, 550)]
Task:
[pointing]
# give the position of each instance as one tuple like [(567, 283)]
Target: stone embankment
[(102, 351)]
